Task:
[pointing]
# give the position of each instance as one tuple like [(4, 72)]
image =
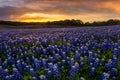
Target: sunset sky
[(52, 10)]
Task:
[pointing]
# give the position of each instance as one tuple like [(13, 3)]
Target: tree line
[(66, 22)]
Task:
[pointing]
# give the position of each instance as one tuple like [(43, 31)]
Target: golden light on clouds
[(115, 6), (46, 10), (40, 17)]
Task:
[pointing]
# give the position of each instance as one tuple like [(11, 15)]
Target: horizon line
[(57, 20)]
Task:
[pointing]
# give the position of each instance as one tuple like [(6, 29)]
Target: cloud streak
[(50, 10)]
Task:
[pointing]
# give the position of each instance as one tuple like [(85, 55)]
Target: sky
[(54, 10)]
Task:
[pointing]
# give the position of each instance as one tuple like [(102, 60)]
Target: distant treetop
[(66, 22)]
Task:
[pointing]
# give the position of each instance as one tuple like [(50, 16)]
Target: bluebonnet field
[(90, 53)]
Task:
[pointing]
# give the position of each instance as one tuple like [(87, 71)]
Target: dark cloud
[(7, 13)]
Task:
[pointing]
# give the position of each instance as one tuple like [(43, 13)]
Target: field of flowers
[(90, 53)]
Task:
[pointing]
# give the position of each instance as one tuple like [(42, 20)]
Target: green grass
[(65, 73), (27, 76), (41, 71), (107, 55)]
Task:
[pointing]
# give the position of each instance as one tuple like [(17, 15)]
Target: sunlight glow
[(40, 17)]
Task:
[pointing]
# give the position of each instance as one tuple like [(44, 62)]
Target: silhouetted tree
[(63, 23)]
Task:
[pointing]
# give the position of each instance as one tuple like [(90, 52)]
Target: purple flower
[(16, 74), (73, 72), (113, 72), (92, 72), (42, 77)]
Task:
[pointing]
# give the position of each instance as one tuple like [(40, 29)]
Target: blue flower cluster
[(91, 53)]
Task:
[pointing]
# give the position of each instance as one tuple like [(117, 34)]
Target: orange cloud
[(40, 17), (51, 10), (115, 6)]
